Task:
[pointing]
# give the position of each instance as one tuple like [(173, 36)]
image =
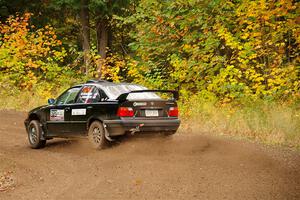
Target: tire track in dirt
[(186, 166)]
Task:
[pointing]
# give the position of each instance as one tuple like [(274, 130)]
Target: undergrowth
[(12, 98)]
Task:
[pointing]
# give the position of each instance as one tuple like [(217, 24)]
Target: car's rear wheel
[(96, 135), (35, 135)]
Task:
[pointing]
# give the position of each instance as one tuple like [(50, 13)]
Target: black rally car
[(102, 110)]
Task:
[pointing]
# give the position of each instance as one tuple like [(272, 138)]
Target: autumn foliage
[(222, 49), (226, 49), (29, 55)]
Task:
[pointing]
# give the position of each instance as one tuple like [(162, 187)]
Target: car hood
[(37, 108)]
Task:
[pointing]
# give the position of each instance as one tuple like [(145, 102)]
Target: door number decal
[(57, 115), (79, 111)]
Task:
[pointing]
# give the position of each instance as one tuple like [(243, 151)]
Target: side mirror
[(51, 101)]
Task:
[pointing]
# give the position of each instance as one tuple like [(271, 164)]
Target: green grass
[(267, 122)]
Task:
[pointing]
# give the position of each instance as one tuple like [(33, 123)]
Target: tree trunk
[(102, 42), (85, 33)]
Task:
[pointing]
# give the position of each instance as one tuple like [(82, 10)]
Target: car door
[(58, 115), (83, 109)]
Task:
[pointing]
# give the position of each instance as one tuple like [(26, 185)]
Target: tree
[(103, 12), (85, 32), (95, 16), (231, 49)]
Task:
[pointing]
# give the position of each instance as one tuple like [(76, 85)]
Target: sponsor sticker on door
[(57, 115), (79, 111)]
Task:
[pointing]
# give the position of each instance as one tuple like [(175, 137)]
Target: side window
[(103, 96), (89, 94), (68, 97)]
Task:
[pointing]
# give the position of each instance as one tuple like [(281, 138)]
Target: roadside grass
[(11, 98), (23, 101), (272, 123)]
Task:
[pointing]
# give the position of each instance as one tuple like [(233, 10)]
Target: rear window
[(115, 91)]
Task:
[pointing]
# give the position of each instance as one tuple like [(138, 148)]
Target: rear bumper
[(121, 126)]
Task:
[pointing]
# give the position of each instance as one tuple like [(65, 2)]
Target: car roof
[(103, 84)]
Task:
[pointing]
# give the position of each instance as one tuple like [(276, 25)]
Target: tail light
[(173, 112), (125, 112)]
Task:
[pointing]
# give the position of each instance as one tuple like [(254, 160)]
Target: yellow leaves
[(245, 36), (25, 50), (265, 17), (231, 41), (272, 81), (187, 48), (32, 64), (256, 34), (29, 80), (111, 67)]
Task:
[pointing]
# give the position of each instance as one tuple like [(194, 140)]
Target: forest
[(235, 63)]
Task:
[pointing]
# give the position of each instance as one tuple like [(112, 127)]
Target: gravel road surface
[(185, 166)]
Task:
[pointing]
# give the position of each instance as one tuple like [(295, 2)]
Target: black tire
[(96, 135), (35, 134)]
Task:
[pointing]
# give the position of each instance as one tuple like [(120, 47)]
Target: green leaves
[(230, 49)]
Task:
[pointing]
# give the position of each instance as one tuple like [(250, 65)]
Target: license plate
[(151, 113)]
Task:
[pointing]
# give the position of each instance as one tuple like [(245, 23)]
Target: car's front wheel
[(34, 135), (96, 135)]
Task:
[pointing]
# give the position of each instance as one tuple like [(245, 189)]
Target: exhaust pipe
[(136, 129)]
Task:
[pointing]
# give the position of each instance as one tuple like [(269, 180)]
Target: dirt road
[(187, 166)]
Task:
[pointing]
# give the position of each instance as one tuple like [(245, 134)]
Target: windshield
[(115, 91)]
